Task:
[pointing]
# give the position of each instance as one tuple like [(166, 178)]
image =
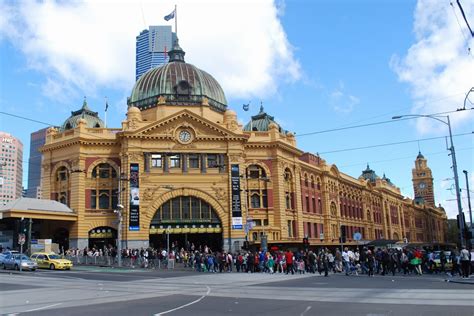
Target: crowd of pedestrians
[(373, 261)]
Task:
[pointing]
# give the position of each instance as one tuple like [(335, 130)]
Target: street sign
[(21, 239), (357, 236)]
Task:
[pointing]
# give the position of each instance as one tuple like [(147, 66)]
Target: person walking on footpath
[(325, 261), (346, 260), (289, 262), (370, 263), (465, 259)]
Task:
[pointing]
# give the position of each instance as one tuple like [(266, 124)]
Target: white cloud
[(341, 101), (83, 46), (438, 67)]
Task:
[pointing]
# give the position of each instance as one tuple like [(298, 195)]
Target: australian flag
[(170, 16)]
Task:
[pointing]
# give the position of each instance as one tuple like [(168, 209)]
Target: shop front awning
[(382, 242), (37, 209)]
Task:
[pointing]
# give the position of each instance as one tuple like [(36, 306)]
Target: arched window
[(312, 182), (63, 198), (333, 209), (185, 209), (289, 194), (104, 199), (318, 184), (103, 190), (255, 200), (256, 172), (306, 183), (257, 180), (104, 171), (62, 174), (61, 185)]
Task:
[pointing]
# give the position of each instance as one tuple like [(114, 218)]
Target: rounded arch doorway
[(187, 222), (102, 237)]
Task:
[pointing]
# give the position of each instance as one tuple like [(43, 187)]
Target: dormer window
[(183, 89)]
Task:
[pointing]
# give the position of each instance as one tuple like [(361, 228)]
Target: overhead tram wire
[(405, 108), (461, 30), (369, 124), (400, 158), (318, 132), (392, 144)]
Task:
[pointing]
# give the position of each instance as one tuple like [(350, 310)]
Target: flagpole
[(105, 116), (176, 20)]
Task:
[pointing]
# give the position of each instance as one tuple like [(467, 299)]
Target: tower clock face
[(185, 136), (422, 185)]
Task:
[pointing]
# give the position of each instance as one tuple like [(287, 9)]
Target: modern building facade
[(182, 165), (11, 168), (37, 140), (151, 48)]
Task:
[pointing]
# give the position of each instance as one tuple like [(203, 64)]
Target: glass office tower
[(151, 48)]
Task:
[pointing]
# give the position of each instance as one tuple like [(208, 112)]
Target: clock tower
[(423, 182)]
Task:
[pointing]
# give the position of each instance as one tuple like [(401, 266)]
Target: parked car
[(14, 261), (4, 254), (51, 261)]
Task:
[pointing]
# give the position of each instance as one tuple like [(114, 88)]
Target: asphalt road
[(220, 306), (93, 291)]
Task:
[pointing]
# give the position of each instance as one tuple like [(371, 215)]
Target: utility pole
[(468, 199), (30, 224), (453, 158)]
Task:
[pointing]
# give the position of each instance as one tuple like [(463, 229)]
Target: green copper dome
[(369, 174), (179, 83), (261, 123), (92, 118)]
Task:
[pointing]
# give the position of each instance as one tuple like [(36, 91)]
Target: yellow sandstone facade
[(181, 164)]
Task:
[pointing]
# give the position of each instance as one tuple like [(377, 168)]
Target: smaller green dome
[(261, 123), (92, 118), (369, 174)]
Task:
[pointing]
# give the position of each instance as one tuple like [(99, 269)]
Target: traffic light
[(306, 242), (343, 234), (246, 245), (23, 226)]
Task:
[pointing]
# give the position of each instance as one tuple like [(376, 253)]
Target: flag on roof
[(170, 16)]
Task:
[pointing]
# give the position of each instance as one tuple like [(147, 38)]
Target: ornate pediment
[(199, 128)]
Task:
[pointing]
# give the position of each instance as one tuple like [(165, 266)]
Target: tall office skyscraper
[(37, 139), (11, 168), (152, 47)]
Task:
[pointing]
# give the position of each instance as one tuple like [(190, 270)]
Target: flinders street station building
[(182, 166)]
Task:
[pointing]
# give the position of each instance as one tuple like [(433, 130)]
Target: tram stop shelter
[(45, 218)]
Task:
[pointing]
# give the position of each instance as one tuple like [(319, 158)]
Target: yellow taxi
[(51, 261)]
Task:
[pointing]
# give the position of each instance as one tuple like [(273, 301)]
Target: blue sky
[(315, 65)]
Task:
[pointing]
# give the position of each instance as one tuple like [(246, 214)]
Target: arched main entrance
[(102, 237), (190, 222)]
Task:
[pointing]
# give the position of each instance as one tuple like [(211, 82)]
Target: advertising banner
[(236, 202), (134, 214)]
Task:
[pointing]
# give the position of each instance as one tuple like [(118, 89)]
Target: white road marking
[(306, 310), (186, 305), (40, 308)]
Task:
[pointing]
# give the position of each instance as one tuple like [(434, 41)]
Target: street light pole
[(468, 198), (455, 166), (118, 211)]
